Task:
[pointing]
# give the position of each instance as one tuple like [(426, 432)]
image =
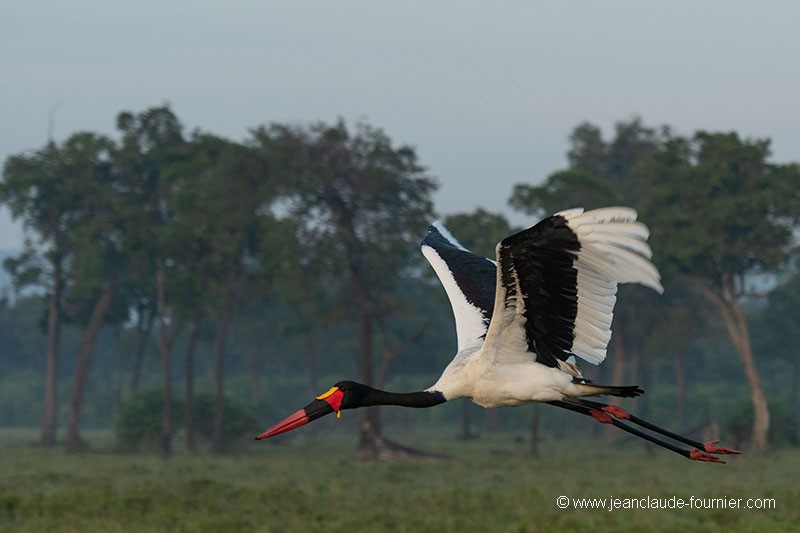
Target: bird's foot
[(699, 455), (711, 448)]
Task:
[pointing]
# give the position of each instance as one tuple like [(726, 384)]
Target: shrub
[(138, 421), (782, 423), (238, 420)]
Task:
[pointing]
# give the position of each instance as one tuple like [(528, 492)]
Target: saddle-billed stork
[(522, 321)]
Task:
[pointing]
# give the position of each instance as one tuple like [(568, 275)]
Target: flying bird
[(523, 320)]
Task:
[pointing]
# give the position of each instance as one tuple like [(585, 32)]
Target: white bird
[(522, 322)]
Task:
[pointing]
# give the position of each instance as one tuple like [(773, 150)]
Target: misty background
[(486, 93), (493, 103)]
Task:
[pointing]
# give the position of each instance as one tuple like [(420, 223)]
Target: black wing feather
[(539, 262), (474, 274)]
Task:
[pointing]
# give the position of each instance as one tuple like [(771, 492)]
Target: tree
[(221, 207), (720, 212), (65, 196), (777, 332), (479, 231), (588, 152), (34, 189), (96, 236), (563, 190), (362, 205), (600, 173), (151, 140), (614, 162)]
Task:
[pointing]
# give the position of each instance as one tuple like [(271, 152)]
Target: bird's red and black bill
[(322, 405)]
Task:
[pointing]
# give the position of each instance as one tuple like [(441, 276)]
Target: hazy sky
[(487, 92)]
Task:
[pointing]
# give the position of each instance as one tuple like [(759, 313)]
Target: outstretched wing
[(557, 284), (469, 281)]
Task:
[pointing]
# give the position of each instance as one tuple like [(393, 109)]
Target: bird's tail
[(624, 391)]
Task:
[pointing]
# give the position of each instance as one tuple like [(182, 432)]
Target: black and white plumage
[(553, 298), (523, 321), (469, 281)]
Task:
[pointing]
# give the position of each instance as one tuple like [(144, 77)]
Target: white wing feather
[(613, 250)]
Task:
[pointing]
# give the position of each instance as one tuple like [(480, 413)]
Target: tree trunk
[(793, 394), (144, 325), (119, 372), (466, 421), (620, 355), (167, 335), (50, 407), (595, 431), (680, 390), (725, 298), (390, 353), (313, 364), (371, 444), (219, 377), (166, 361), (535, 419), (644, 405), (370, 429), (85, 351), (191, 444)]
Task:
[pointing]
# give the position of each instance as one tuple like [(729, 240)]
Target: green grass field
[(313, 484)]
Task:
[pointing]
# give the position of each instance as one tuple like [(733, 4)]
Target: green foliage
[(357, 200), (777, 326), (783, 423), (138, 420), (138, 423), (600, 173), (563, 190), (716, 205), (68, 198), (479, 231), (19, 395), (239, 419)]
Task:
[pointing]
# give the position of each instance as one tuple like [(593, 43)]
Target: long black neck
[(403, 399)]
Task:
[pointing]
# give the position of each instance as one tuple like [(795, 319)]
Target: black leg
[(596, 411), (620, 413)]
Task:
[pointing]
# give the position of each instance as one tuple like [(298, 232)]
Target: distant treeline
[(261, 269)]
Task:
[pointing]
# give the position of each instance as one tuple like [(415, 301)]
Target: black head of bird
[(338, 397), (351, 395)]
